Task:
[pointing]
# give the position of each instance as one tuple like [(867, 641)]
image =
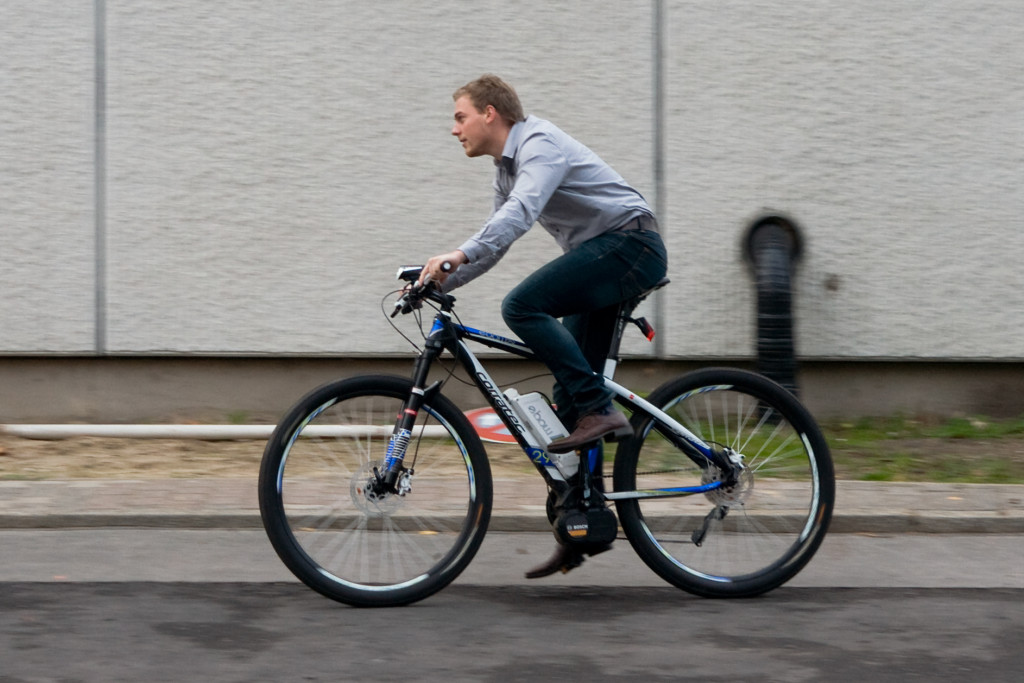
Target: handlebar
[(415, 293)]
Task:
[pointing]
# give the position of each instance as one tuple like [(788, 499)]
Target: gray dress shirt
[(546, 176)]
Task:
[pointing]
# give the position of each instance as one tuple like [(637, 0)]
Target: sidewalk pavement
[(211, 503)]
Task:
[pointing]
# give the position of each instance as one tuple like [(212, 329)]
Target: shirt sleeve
[(470, 271)]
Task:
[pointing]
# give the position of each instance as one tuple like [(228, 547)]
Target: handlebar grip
[(446, 267)]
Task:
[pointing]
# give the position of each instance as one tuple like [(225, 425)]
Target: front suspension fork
[(406, 420)]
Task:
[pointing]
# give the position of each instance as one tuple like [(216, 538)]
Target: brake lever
[(398, 306), (404, 303), (411, 299)]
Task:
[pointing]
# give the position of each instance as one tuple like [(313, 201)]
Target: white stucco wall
[(269, 165), (46, 177), (892, 133), (270, 168)]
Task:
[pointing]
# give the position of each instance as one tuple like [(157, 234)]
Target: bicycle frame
[(374, 528), (445, 334)]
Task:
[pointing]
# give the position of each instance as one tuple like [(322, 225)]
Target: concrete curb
[(983, 523), (861, 507)]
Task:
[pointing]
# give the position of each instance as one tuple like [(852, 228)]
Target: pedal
[(620, 434), (583, 448)]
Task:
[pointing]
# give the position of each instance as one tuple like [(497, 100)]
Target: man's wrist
[(472, 251)]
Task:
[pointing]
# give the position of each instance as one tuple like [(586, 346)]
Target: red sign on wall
[(488, 426)]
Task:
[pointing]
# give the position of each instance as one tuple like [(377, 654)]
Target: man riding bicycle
[(612, 253)]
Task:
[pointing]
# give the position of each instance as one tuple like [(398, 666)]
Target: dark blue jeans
[(584, 287)]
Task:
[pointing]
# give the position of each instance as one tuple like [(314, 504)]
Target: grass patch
[(897, 448), (238, 417)]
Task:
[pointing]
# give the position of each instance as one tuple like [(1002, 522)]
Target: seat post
[(612, 359), (626, 309)]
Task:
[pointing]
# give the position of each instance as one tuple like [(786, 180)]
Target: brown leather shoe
[(564, 560), (608, 424)]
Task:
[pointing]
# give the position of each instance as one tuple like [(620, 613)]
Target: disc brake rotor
[(366, 494), (730, 496)]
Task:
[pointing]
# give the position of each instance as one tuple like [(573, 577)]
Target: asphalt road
[(172, 605)]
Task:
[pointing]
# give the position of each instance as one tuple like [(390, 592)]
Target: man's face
[(471, 127)]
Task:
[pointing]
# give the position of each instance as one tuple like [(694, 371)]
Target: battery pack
[(536, 414), (534, 411)]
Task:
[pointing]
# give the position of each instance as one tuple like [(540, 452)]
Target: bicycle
[(376, 490)]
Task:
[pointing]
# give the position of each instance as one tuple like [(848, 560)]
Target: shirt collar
[(508, 154)]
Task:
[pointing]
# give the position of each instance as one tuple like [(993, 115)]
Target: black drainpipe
[(773, 246)]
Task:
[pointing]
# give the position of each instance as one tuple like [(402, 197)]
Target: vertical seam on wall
[(100, 176), (659, 159)]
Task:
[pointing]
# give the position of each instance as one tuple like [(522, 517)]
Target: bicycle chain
[(657, 472)]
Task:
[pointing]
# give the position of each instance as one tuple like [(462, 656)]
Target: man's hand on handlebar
[(438, 268), (426, 285)]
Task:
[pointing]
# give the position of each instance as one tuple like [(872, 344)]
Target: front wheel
[(741, 535), (330, 521)]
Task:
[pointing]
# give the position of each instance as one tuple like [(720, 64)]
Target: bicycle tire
[(775, 517), (362, 549)]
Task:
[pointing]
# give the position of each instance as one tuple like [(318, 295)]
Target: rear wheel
[(329, 520), (756, 532)]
